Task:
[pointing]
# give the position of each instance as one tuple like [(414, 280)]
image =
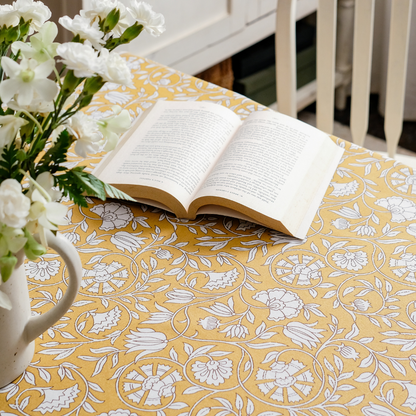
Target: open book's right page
[(277, 166)]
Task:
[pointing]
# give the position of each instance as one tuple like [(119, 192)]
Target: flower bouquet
[(43, 87)]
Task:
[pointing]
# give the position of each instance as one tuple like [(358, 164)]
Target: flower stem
[(26, 113)]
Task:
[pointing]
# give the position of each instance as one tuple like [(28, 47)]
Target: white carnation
[(113, 68), (85, 129), (83, 27), (82, 59), (8, 16), (35, 11), (153, 23), (14, 206), (99, 9)]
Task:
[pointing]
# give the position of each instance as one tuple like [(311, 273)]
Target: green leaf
[(71, 187), (56, 155), (9, 164), (91, 185), (113, 192)]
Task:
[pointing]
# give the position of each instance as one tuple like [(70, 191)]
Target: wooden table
[(223, 317)]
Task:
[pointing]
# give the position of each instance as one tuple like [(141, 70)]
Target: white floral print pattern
[(213, 372), (286, 378), (114, 215)]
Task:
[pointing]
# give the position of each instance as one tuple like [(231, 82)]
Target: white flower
[(27, 78), (14, 206), (340, 224), (45, 213), (411, 229), (361, 304), (282, 303), (42, 270), (127, 241), (72, 237), (406, 267), (37, 105), (45, 180), (404, 180), (10, 125), (348, 352), (209, 323), (300, 269), (152, 22), (351, 260), (114, 215), (180, 296), (213, 371), (364, 230), (376, 410), (163, 254), (82, 59), (146, 340), (105, 278), (42, 46), (86, 30), (113, 68), (303, 334), (8, 16), (99, 9), (11, 239), (112, 127), (411, 396), (85, 129), (401, 209), (35, 11), (235, 331), (294, 377), (147, 385)]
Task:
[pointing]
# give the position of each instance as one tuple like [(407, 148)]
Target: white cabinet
[(201, 33)]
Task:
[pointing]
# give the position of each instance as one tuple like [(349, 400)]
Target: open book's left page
[(171, 152)]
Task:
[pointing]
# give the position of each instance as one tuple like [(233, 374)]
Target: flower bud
[(110, 21), (131, 33), (209, 323), (33, 249), (70, 83), (340, 223), (12, 34), (163, 254), (361, 304), (7, 264), (348, 352)]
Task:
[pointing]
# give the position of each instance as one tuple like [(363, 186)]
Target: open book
[(198, 157)]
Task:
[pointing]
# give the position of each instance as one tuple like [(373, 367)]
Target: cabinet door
[(191, 26)]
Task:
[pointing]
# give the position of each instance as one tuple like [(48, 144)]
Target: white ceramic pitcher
[(18, 329)]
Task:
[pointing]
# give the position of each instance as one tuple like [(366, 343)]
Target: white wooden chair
[(328, 79)]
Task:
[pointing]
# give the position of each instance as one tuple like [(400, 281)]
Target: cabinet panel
[(191, 26)]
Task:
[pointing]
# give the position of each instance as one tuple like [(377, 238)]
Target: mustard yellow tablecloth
[(223, 317)]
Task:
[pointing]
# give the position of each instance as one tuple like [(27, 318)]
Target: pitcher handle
[(39, 324)]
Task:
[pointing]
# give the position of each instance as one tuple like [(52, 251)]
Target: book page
[(173, 149), (274, 165)]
